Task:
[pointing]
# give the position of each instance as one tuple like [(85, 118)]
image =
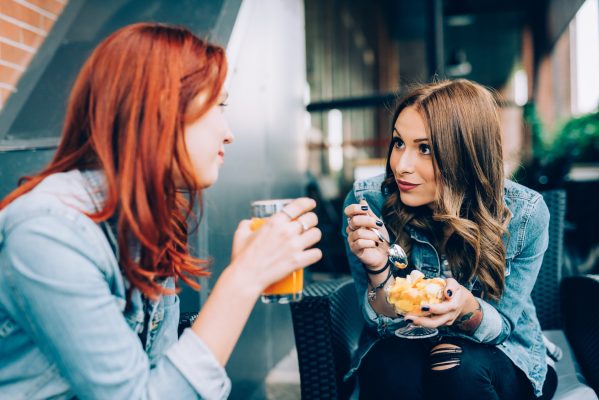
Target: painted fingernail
[(379, 223), (409, 321), (449, 292), (376, 244), (364, 208), (425, 308)]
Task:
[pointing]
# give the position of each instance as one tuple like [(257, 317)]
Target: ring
[(351, 228), (304, 227), (287, 214)]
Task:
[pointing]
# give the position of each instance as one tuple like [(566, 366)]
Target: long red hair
[(126, 116)]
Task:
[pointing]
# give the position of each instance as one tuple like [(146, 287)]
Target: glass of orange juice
[(288, 289)]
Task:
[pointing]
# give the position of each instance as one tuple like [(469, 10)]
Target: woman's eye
[(397, 143), (425, 149)]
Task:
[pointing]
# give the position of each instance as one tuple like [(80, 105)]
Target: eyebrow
[(415, 140)]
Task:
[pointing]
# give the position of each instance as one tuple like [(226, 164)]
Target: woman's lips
[(405, 186)]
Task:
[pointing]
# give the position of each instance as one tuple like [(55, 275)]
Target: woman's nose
[(229, 137), (405, 164)]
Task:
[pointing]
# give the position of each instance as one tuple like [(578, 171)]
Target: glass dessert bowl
[(408, 295)]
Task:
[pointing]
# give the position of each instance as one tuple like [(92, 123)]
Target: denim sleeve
[(500, 318), (383, 324), (62, 299)]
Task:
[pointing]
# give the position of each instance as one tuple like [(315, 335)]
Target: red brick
[(53, 6), (21, 13), (47, 23), (9, 76), (32, 39), (14, 54), (10, 31)]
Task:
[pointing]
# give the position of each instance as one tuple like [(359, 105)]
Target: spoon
[(397, 254)]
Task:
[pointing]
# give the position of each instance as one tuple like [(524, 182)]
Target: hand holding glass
[(288, 289)]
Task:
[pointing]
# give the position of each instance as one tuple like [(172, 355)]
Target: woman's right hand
[(280, 246), (362, 240), (259, 258)]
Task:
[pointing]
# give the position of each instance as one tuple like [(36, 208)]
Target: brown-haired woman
[(444, 199), (92, 247)]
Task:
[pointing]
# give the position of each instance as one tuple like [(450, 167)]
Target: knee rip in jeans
[(445, 356)]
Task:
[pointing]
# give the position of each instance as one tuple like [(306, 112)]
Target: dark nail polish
[(425, 308), (409, 321), (379, 223), (376, 244), (364, 208), (449, 292)]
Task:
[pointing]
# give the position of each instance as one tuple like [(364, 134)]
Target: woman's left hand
[(459, 303)]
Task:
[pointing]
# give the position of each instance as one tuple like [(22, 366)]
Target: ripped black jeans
[(452, 368)]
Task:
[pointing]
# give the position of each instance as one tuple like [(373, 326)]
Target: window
[(585, 58)]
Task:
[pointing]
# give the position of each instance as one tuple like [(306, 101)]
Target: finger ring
[(304, 227), (284, 211), (351, 228)]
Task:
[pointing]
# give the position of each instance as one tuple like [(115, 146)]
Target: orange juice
[(287, 289), (291, 284)]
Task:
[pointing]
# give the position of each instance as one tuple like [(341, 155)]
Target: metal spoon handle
[(380, 235)]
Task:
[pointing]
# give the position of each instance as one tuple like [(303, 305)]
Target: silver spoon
[(396, 253)]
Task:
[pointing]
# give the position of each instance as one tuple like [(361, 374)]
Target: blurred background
[(312, 86)]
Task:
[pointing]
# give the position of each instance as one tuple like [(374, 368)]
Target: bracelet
[(372, 291), (377, 271)]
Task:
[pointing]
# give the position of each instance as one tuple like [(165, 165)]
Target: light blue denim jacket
[(511, 323), (64, 331)]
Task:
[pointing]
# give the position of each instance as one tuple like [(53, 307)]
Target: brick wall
[(24, 24)]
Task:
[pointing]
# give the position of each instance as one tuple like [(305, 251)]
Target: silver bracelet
[(372, 291)]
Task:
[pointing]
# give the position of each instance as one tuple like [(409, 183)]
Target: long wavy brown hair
[(126, 116), (462, 123)]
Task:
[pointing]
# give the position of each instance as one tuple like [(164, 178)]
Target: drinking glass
[(288, 289)]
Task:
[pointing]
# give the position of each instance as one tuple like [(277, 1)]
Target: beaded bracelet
[(372, 291)]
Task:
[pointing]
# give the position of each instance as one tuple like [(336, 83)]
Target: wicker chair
[(327, 324)]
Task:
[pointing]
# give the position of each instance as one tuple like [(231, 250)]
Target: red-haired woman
[(92, 247)]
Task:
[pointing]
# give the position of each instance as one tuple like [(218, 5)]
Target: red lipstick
[(405, 186)]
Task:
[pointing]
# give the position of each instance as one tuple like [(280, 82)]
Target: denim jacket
[(64, 329), (511, 323)]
